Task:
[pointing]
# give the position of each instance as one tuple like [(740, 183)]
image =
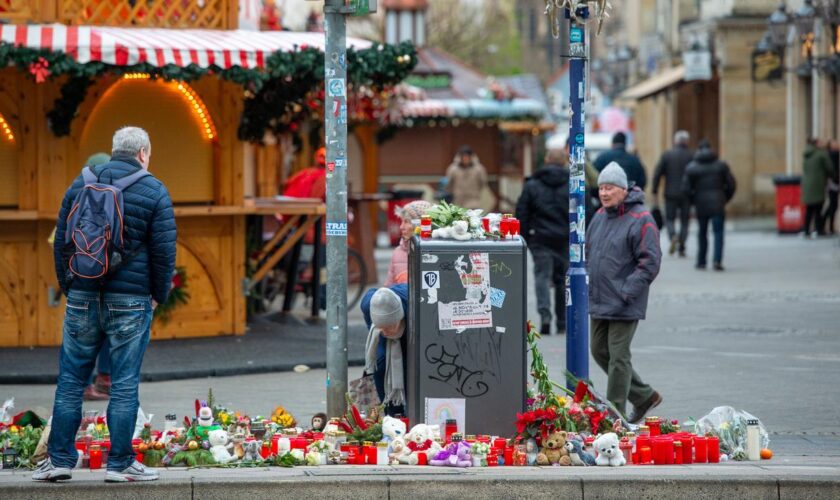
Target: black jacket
[(708, 183), (149, 224), (629, 162), (543, 209), (672, 166)]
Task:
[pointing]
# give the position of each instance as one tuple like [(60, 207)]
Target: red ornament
[(176, 281), (40, 70)]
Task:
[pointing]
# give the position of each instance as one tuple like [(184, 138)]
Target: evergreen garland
[(275, 96)]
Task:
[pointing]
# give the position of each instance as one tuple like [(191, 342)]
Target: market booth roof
[(161, 47)]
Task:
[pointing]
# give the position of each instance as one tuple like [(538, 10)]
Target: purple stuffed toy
[(456, 454)]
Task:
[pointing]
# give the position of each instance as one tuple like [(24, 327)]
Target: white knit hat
[(613, 174), (386, 308)]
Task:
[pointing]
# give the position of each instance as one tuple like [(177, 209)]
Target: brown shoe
[(103, 384), (639, 413), (92, 394)]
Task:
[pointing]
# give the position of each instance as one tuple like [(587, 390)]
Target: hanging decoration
[(274, 96)]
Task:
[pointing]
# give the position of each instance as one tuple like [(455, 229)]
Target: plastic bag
[(6, 411), (730, 426)]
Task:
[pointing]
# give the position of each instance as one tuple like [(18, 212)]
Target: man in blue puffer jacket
[(117, 307)]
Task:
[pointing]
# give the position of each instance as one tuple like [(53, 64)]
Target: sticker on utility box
[(431, 279)]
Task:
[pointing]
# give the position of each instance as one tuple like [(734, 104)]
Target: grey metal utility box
[(466, 335)]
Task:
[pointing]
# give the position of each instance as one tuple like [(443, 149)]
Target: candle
[(382, 453), (265, 449), (669, 449), (509, 455), (626, 448), (351, 454), (653, 424), (700, 455), (485, 224), (713, 449), (492, 460), (658, 448), (370, 453), (500, 443), (678, 453), (688, 447), (450, 428), (504, 227), (426, 227), (422, 459), (514, 227), (95, 457), (644, 455)]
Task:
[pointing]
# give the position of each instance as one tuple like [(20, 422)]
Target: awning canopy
[(160, 47), (654, 84)]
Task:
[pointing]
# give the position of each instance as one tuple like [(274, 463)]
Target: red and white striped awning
[(159, 47)]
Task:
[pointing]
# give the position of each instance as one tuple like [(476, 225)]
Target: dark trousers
[(703, 239), (677, 208), (550, 269), (813, 212), (610, 347), (830, 212)]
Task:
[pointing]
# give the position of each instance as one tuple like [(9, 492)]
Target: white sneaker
[(134, 472), (46, 471)]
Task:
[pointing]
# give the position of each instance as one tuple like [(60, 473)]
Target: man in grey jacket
[(623, 258)]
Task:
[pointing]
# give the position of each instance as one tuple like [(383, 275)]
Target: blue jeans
[(90, 319), (703, 242)]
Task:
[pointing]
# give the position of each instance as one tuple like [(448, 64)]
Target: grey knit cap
[(386, 308), (613, 174)]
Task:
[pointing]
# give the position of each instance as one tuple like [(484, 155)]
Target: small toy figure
[(578, 455), (319, 422), (219, 446)]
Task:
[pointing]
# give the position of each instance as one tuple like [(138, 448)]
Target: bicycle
[(274, 284)]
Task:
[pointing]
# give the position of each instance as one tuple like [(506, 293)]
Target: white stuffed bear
[(419, 440), (392, 428), (608, 451), (218, 446)]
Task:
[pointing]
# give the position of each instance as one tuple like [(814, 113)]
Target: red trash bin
[(400, 198), (789, 210)]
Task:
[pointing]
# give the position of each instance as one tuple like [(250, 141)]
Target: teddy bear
[(397, 448), (419, 440), (392, 428), (218, 446), (554, 450), (608, 451), (577, 454), (455, 454)]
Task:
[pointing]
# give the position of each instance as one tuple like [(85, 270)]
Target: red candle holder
[(485, 224), (450, 428), (678, 453), (687, 447), (95, 457), (514, 227), (298, 443), (265, 450), (500, 443), (644, 455), (504, 227), (352, 453), (713, 449), (654, 426), (700, 450), (422, 459), (370, 453), (492, 460), (509, 455)]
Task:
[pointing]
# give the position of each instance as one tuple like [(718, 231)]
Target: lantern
[(804, 19), (779, 26), (10, 456)]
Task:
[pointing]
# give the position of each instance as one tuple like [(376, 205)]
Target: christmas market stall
[(211, 100)]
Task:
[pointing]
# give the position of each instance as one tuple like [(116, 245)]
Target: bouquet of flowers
[(178, 295)]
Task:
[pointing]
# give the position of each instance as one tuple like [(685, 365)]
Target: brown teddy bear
[(554, 450)]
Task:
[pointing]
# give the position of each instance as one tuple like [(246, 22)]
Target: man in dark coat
[(833, 186), (543, 213), (118, 307), (631, 163), (709, 185), (623, 259), (671, 167)]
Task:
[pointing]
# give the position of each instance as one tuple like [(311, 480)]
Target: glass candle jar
[(95, 459), (654, 425), (713, 449), (450, 428), (426, 227), (678, 453)]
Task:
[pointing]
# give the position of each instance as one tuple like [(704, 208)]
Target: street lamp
[(778, 25), (804, 19)]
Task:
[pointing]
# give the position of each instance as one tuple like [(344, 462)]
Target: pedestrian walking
[(709, 185), (671, 167), (816, 172), (410, 215), (833, 186), (623, 259), (543, 213), (386, 311), (466, 178), (631, 163), (111, 292)]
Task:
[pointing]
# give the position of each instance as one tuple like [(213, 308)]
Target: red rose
[(176, 281)]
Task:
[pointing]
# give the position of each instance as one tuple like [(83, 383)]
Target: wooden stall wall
[(210, 222)]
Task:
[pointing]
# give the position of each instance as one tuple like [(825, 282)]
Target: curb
[(484, 486)]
